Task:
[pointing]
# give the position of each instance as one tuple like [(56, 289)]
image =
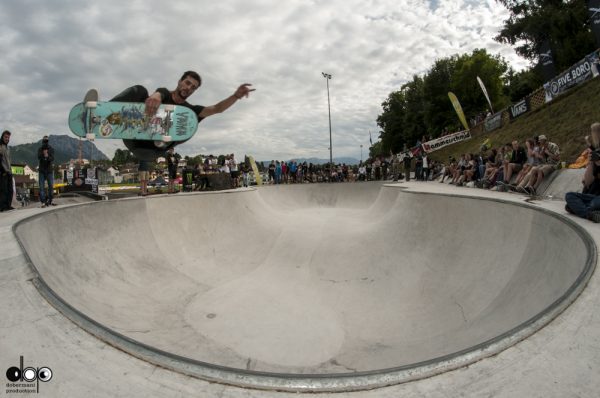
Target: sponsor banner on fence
[(441, 142), (582, 71), (519, 108), (493, 122)]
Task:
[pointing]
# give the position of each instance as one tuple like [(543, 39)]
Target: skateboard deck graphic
[(127, 121)]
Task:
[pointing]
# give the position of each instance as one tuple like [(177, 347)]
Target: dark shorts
[(172, 174), (235, 174)]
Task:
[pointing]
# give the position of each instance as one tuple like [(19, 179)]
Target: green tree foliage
[(439, 113), (564, 23), (490, 70), (421, 107), (520, 84), (123, 156), (391, 122)]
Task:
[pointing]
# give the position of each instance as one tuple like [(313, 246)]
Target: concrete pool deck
[(561, 359)]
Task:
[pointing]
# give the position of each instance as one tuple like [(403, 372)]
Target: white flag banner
[(487, 97)]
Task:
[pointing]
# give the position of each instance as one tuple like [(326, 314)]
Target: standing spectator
[(172, 168), (369, 170), (235, 171), (395, 167), (425, 169), (278, 172), (46, 173), (407, 160), (246, 174), (6, 178), (377, 167), (587, 204), (362, 173), (144, 175), (293, 171), (419, 167), (272, 172)]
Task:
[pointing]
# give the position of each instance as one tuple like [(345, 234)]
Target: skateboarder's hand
[(243, 90), (152, 104)]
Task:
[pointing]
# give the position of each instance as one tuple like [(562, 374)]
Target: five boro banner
[(441, 142), (585, 69)]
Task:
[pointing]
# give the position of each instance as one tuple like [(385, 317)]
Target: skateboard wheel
[(91, 104), (169, 107), (90, 136), (167, 138)]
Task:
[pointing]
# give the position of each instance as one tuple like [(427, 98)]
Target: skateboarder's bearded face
[(187, 86)]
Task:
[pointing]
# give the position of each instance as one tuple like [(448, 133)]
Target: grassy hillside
[(565, 121)]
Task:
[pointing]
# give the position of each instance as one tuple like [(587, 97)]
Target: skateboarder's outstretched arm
[(241, 92), (155, 100)]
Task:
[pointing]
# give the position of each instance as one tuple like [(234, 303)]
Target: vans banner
[(519, 108), (582, 71)]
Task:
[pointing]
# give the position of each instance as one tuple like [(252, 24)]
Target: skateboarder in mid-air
[(187, 85)]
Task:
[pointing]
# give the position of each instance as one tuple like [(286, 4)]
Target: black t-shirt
[(519, 155), (167, 99), (594, 188)]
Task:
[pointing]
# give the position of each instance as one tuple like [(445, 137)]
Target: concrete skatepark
[(306, 288)]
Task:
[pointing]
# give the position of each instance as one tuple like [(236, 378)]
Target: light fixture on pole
[(327, 77)]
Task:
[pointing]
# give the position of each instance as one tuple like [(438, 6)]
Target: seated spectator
[(459, 169), (515, 164), (530, 167), (471, 173), (448, 171), (492, 165), (587, 204), (549, 155)]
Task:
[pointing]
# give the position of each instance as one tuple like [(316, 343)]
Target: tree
[(438, 112), (565, 24), (491, 70), (391, 122), (123, 156), (413, 127), (520, 84)]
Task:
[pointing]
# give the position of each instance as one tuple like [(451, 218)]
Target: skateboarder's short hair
[(193, 75), (5, 132)]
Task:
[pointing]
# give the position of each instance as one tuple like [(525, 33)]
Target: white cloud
[(54, 51)]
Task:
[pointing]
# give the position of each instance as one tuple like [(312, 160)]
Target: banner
[(487, 97), (547, 61), (458, 109), (519, 108), (594, 13), (582, 71), (493, 122), (441, 142)]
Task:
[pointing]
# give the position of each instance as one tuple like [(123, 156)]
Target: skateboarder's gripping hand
[(152, 104)]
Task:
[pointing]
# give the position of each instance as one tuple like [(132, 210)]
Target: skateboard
[(127, 121)]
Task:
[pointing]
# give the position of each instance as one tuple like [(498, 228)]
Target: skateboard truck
[(91, 102)]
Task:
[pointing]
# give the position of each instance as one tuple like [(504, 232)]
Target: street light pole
[(361, 153), (327, 77)]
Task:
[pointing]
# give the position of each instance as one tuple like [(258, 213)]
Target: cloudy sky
[(53, 51)]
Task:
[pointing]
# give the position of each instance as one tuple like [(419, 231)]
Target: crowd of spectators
[(510, 167)]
